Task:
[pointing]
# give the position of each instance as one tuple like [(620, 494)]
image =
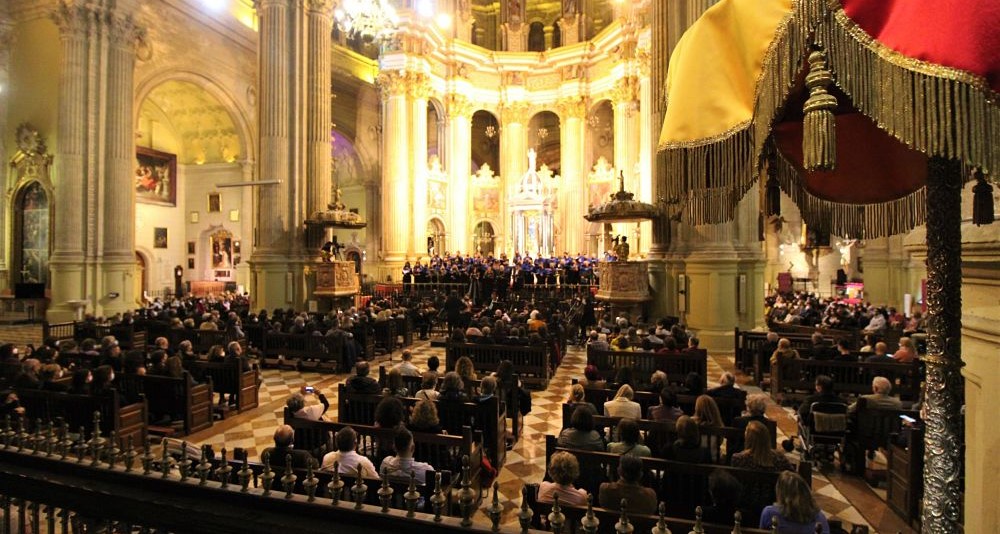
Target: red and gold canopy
[(912, 80)]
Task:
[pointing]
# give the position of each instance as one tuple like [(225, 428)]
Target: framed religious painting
[(155, 177), (159, 238), (214, 202)]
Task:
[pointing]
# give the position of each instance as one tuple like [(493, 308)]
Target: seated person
[(348, 458), (687, 447), (628, 440), (641, 500), (756, 406), (406, 367), (693, 345), (881, 354), (394, 384), (821, 350), (592, 377), (795, 508), (623, 405), (49, 376), (725, 491), (398, 467), (844, 351), (577, 396), (907, 352), (727, 388), (563, 470), (759, 454), (657, 382), (283, 446), (824, 393), (667, 409), (425, 418), (581, 434), (361, 382), (879, 397), (428, 383), (784, 352), (453, 388), (296, 404)]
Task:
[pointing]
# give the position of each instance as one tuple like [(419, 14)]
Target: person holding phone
[(296, 404)]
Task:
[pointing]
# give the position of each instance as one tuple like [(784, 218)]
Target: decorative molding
[(403, 82), (626, 91), (574, 107), (515, 112), (457, 105)]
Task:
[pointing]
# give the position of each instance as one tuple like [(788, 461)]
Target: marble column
[(247, 219), (647, 133), (418, 91), (319, 118), (572, 202), (458, 164), (396, 229), (117, 260), (513, 162), (625, 98)]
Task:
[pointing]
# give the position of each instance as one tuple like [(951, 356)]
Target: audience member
[(296, 404), (563, 469), (577, 397), (394, 383), (406, 367), (881, 354), (348, 457), (795, 507), (628, 440), (727, 388), (581, 434), (641, 500), (428, 383), (400, 466), (667, 409), (361, 382), (759, 453), (425, 418), (879, 397), (688, 445), (623, 405), (283, 446), (907, 352), (725, 491)]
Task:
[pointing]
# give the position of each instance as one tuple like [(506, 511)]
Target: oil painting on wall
[(155, 177)]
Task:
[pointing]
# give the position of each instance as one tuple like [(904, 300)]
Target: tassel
[(982, 201), (819, 136), (772, 199)]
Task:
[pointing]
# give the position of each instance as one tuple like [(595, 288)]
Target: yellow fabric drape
[(724, 51)]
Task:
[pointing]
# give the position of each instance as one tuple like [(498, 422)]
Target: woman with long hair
[(628, 440), (706, 412), (394, 383), (758, 452), (687, 447), (623, 405), (577, 397), (467, 371), (795, 507), (425, 418)]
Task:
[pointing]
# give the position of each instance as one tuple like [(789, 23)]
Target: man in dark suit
[(727, 388), (824, 393), (283, 446), (821, 350)]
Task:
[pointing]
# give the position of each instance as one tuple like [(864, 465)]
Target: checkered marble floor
[(525, 464)]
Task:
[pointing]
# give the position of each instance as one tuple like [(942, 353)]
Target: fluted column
[(6, 42), (396, 231), (318, 121), (514, 160), (69, 223), (458, 164), (573, 203), (274, 120), (625, 97), (646, 152), (247, 221), (418, 91), (659, 57)]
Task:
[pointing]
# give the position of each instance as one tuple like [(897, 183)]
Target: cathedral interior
[(159, 148)]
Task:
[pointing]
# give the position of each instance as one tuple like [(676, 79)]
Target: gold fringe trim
[(938, 110), (854, 221)]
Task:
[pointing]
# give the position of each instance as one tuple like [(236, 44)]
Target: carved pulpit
[(336, 279)]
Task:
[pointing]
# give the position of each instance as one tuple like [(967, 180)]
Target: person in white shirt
[(399, 467), (296, 404), (623, 405), (406, 367), (348, 457)]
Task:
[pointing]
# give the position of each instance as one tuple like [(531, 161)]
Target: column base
[(277, 282), (116, 286), (67, 285)]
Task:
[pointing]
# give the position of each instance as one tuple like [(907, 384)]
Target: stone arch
[(214, 88), (436, 137)]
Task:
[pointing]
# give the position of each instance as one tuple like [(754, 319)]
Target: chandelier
[(370, 20)]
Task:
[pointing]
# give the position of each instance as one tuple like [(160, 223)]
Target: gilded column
[(396, 231), (646, 152), (318, 121), (943, 391), (573, 203), (458, 163), (625, 98), (418, 90)]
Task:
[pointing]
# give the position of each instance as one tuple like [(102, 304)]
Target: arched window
[(484, 239), (556, 34), (31, 234), (536, 37)]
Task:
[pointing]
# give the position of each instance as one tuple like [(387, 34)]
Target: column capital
[(322, 7), (626, 91), (124, 32), (261, 5), (72, 19), (457, 105), (403, 82), (515, 112), (574, 107)]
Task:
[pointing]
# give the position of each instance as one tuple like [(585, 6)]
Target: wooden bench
[(643, 364), (795, 379), (128, 420), (385, 335), (173, 397), (325, 352), (228, 378), (609, 518), (531, 363), (729, 408), (442, 451), (489, 417), (682, 486), (869, 430)]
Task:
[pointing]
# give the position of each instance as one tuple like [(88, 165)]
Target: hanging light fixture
[(370, 20)]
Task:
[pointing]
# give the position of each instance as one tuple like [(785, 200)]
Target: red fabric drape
[(962, 34)]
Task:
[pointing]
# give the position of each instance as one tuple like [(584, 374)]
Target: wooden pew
[(385, 335), (443, 451), (530, 363), (609, 518), (58, 331), (128, 420), (749, 359), (229, 378), (644, 364), (870, 429), (795, 379), (404, 329), (325, 351), (173, 396), (682, 486), (729, 408), (489, 417)]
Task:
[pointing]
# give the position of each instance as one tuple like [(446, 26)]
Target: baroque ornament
[(29, 140)]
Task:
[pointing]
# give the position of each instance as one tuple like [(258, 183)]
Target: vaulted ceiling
[(202, 126)]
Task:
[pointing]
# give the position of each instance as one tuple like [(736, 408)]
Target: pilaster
[(396, 227), (459, 168), (418, 90), (6, 42), (573, 170), (513, 157)]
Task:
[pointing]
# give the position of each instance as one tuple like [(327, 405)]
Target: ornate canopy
[(910, 80)]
